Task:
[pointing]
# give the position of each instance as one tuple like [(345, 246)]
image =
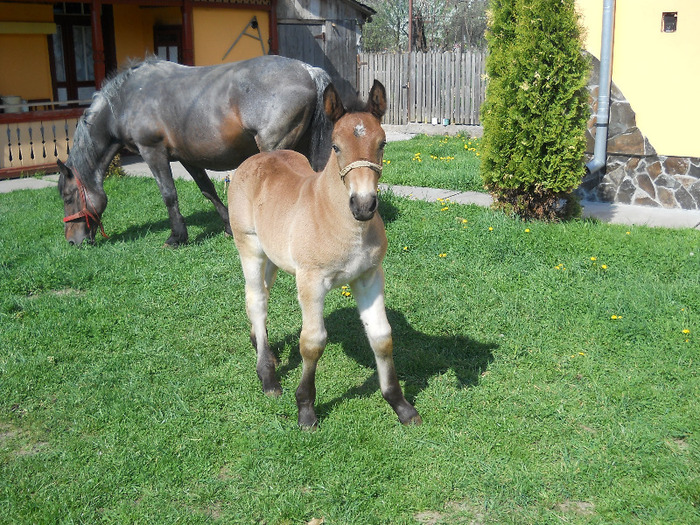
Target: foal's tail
[(320, 127)]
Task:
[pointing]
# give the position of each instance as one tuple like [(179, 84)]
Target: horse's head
[(83, 206), (358, 147)]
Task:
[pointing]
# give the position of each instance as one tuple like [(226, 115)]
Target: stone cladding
[(635, 173)]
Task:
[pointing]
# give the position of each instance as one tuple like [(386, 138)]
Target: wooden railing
[(33, 141)]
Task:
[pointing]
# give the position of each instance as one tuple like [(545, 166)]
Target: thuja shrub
[(536, 107)]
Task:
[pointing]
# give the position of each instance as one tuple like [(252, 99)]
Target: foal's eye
[(336, 148)]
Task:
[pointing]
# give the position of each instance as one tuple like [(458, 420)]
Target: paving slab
[(27, 183)]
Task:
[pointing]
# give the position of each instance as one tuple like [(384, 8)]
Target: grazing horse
[(324, 229), (205, 117)]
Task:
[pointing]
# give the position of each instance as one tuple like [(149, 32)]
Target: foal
[(323, 228)]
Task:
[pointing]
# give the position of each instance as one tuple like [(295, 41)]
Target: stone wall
[(635, 173)]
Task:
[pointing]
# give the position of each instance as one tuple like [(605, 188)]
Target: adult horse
[(205, 117), (323, 228)]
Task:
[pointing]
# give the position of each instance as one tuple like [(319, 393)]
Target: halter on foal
[(323, 228)]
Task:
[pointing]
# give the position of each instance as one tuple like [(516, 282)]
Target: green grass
[(128, 391), (434, 162)]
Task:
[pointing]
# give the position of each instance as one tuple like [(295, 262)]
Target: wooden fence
[(427, 87)]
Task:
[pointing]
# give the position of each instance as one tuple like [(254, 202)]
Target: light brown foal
[(323, 228)]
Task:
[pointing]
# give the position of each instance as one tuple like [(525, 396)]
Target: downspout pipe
[(600, 150)]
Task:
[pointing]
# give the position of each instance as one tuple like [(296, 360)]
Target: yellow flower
[(527, 230), (405, 248), (614, 317), (442, 255), (445, 208), (593, 258), (490, 228), (604, 266), (686, 331)]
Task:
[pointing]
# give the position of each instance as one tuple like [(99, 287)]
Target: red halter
[(85, 212)]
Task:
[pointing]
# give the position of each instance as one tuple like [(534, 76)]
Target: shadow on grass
[(208, 220), (419, 357)]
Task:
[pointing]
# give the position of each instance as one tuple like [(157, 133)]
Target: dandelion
[(686, 331), (628, 233), (490, 228), (444, 208), (442, 255), (615, 317), (345, 292), (527, 230), (405, 248), (604, 266), (593, 258)]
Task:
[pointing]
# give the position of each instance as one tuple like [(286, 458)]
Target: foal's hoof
[(275, 391), (415, 420)]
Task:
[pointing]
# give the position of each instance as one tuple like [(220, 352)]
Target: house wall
[(215, 29), (133, 29), (656, 71), (24, 55)]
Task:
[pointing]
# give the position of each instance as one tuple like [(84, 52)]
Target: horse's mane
[(106, 96)]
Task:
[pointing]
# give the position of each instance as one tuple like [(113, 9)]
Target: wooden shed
[(324, 33)]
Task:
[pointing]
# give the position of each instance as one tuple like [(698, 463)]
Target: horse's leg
[(311, 345), (256, 267), (368, 290), (157, 161), (206, 186)]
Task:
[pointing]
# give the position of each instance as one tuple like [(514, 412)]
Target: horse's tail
[(320, 127)]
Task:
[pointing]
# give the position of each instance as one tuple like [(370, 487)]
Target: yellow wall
[(657, 72), (133, 29), (24, 58), (216, 29)]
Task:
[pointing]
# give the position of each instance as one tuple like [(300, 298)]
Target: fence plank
[(423, 86)]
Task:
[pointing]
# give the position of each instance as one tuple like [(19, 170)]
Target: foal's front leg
[(369, 294), (311, 345)]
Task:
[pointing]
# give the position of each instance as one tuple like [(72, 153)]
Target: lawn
[(436, 161), (555, 367)]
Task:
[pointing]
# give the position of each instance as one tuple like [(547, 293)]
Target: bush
[(536, 106)]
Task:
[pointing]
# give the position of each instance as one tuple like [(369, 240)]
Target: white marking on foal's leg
[(369, 293), (257, 295)]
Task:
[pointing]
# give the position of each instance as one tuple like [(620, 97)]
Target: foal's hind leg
[(157, 161), (206, 186), (369, 293), (259, 274)]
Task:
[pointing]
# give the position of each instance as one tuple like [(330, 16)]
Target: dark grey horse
[(204, 117)]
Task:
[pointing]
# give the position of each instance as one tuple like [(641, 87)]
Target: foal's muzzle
[(363, 207)]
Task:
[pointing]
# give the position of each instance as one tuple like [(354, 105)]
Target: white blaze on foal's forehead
[(360, 130)]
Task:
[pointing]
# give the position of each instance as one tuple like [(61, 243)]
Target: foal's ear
[(376, 104), (332, 104)]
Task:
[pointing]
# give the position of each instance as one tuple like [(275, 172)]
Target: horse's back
[(216, 116)]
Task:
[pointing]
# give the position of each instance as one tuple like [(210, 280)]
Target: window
[(669, 22)]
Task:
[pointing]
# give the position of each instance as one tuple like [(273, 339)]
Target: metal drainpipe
[(600, 151)]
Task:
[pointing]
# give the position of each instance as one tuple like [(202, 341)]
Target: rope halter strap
[(359, 164), (85, 213)]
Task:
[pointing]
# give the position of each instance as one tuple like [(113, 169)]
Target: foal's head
[(358, 145)]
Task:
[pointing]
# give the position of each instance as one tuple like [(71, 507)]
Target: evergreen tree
[(536, 106)]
